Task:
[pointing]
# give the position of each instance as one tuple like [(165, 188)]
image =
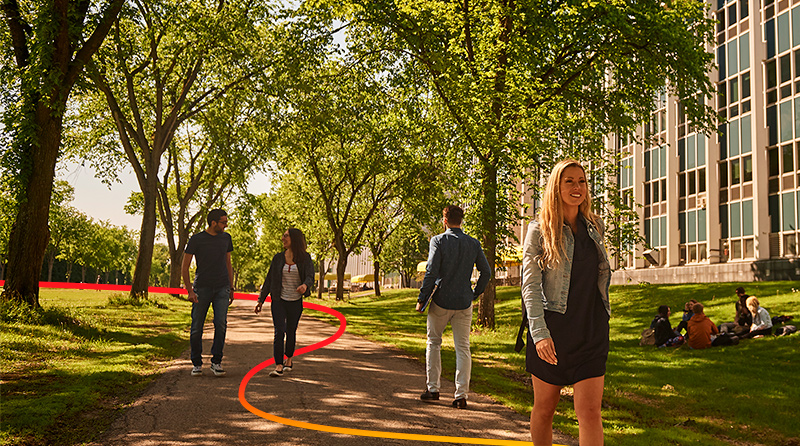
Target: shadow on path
[(351, 383)]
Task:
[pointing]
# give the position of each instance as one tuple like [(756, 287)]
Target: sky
[(96, 200)]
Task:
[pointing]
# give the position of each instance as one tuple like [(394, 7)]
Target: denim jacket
[(548, 289), (450, 259)]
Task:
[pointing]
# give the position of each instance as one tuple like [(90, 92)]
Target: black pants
[(722, 340), (763, 331), (285, 317)]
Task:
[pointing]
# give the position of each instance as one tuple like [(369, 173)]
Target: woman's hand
[(547, 351), (302, 288), (258, 307)]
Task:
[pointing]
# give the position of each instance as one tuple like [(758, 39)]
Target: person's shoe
[(287, 367), (460, 403), (429, 396), (276, 373), (197, 370), (217, 369)]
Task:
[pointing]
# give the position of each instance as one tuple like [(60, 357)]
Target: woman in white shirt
[(762, 323)]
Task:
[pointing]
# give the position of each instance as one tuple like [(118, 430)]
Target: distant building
[(724, 207)]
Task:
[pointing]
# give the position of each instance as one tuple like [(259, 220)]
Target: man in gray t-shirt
[(212, 286)]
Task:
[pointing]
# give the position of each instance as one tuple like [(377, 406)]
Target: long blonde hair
[(753, 304), (551, 216)]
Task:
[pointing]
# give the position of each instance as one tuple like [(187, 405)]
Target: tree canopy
[(370, 116), (527, 83)]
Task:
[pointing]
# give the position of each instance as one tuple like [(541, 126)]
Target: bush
[(123, 299)]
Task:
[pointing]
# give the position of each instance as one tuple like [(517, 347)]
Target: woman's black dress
[(580, 335)]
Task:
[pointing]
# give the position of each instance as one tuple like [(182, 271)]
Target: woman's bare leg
[(545, 400), (588, 402)]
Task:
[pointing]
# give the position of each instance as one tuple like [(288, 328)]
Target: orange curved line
[(344, 430)]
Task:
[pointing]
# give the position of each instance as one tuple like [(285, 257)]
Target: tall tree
[(388, 218), (52, 41), (167, 62), (528, 82), (210, 160), (345, 138), (405, 217), (294, 203)]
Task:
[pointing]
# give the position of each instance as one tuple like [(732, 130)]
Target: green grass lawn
[(745, 394), (69, 370)]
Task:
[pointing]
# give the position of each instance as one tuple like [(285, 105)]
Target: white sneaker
[(197, 370), (217, 369)]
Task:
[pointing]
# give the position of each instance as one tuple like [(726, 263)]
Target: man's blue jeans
[(218, 298)]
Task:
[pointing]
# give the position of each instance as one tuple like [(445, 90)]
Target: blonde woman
[(566, 275), (762, 323)]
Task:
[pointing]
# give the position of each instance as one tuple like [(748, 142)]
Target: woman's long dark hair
[(298, 242)]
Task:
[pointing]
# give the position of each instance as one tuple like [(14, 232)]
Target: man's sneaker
[(276, 373), (197, 370), (217, 369), (429, 396)]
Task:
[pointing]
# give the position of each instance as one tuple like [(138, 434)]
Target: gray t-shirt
[(210, 253)]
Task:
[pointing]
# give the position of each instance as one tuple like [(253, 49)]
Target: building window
[(737, 235)]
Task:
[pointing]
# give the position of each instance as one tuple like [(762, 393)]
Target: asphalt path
[(351, 383)]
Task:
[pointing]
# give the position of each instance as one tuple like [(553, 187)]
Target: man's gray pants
[(461, 323)]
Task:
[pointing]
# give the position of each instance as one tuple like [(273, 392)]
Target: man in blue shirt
[(451, 257), (213, 286)]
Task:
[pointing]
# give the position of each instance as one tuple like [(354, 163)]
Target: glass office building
[(723, 207)]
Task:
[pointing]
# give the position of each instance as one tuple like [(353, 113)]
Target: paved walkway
[(351, 383)]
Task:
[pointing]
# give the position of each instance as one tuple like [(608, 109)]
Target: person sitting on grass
[(700, 329), (687, 314), (742, 317), (664, 334), (762, 323), (703, 333)]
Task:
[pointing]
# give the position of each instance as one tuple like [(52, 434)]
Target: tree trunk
[(50, 260), (341, 265), (489, 218), (321, 282), (144, 259), (83, 273), (175, 264), (376, 268), (30, 233)]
